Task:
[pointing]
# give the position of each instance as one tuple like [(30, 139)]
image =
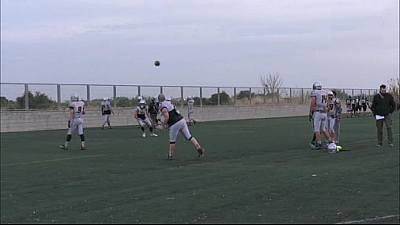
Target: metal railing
[(28, 95)]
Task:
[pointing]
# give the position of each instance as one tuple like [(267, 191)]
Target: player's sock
[(313, 139), (151, 129)]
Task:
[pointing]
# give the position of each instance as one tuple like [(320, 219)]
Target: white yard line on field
[(375, 219), (53, 160)]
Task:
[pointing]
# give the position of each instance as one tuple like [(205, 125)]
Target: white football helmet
[(330, 93), (168, 99), (142, 104), (74, 98), (317, 86)]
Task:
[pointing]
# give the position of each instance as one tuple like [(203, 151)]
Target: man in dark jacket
[(382, 107)]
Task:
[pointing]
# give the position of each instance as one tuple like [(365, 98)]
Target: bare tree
[(272, 82), (394, 86)]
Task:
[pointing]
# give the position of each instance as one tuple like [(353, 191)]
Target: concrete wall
[(12, 121)]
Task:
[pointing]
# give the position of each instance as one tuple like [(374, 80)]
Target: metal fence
[(30, 96)]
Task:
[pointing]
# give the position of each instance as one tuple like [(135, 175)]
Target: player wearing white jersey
[(106, 112), (175, 122), (318, 111), (75, 122), (190, 104), (142, 116)]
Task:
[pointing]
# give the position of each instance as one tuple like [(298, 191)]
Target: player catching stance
[(106, 112), (75, 122), (142, 116), (175, 123), (318, 110)]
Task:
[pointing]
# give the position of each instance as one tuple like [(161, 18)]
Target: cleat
[(379, 145), (153, 135), (83, 148), (63, 147), (170, 157), (201, 152), (391, 145), (312, 146), (144, 135), (318, 147)]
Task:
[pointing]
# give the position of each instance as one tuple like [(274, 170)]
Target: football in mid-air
[(157, 63)]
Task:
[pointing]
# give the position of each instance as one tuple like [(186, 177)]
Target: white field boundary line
[(365, 140), (53, 160), (375, 219)]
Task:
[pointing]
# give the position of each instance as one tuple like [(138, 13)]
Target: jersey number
[(323, 98)]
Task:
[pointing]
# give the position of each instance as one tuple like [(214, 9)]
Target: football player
[(353, 107), (153, 111), (106, 112), (318, 110), (175, 122), (349, 109), (338, 115), (142, 116), (358, 106), (364, 104), (190, 103), (75, 122), (332, 113)]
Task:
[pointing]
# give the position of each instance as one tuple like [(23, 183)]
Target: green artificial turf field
[(255, 171)]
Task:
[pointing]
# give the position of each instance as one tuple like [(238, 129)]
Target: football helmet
[(74, 98), (317, 86)]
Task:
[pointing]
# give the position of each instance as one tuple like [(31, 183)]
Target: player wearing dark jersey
[(174, 121), (106, 112)]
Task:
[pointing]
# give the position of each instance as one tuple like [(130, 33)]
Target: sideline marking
[(369, 219), (53, 160)]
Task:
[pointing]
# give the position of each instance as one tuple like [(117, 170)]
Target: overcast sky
[(347, 43)]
